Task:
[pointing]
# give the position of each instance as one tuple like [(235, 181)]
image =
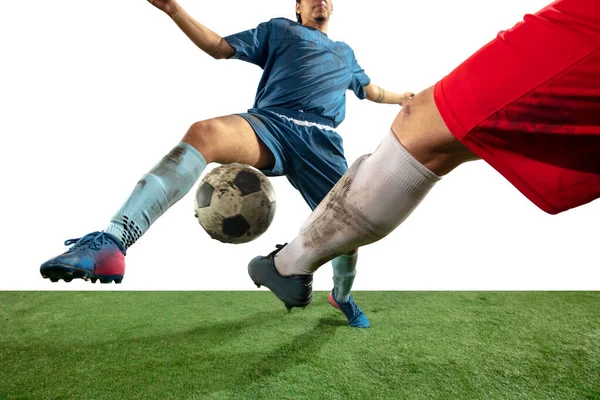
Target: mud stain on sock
[(335, 213)]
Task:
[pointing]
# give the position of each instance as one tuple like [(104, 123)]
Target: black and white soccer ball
[(235, 203)]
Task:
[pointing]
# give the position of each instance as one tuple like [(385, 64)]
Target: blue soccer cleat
[(96, 256), (356, 318), (294, 291)]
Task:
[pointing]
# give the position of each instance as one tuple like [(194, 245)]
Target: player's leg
[(320, 165), (100, 255), (340, 297), (311, 155), (344, 266), (223, 140), (344, 273)]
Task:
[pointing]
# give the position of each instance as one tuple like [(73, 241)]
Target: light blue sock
[(158, 190), (344, 271)]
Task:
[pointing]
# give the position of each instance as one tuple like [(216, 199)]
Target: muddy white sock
[(377, 194)]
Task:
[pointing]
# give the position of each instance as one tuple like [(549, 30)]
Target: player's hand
[(168, 6), (404, 97)]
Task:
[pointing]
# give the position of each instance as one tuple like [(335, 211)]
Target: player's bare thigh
[(227, 140), (421, 130)]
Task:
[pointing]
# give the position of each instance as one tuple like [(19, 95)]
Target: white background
[(94, 93)]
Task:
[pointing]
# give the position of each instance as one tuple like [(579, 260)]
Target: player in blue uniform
[(289, 131)]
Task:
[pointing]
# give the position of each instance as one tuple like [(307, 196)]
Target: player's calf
[(344, 272), (378, 192)]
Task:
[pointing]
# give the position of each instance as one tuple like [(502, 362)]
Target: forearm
[(207, 40), (379, 95)]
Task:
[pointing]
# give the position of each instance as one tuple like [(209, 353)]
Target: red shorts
[(528, 103)]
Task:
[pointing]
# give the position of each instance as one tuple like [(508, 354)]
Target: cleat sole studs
[(54, 279)]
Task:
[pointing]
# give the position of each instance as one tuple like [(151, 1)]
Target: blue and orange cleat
[(96, 256), (356, 318)]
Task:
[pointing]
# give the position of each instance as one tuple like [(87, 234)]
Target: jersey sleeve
[(359, 79), (251, 45)]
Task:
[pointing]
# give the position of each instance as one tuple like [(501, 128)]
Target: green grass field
[(244, 345)]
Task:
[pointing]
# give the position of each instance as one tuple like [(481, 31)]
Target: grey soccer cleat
[(294, 290)]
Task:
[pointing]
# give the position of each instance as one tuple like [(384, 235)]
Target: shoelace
[(94, 240), (278, 248), (355, 310)]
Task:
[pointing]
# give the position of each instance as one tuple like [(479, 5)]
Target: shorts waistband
[(301, 117)]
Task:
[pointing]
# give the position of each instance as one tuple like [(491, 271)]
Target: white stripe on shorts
[(307, 123)]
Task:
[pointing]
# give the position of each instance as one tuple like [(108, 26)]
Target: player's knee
[(422, 131), (203, 135), (417, 126)]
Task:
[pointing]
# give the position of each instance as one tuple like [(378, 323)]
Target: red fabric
[(528, 103)]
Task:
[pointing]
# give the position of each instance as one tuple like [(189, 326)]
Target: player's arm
[(379, 95), (208, 41)]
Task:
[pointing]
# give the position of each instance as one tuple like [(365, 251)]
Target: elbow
[(217, 55), (222, 50)]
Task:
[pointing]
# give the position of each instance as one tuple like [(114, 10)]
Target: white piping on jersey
[(307, 123)]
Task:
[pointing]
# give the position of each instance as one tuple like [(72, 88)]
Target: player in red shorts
[(528, 103)]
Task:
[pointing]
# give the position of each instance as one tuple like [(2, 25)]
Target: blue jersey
[(303, 70)]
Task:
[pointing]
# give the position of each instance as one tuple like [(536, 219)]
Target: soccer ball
[(235, 203)]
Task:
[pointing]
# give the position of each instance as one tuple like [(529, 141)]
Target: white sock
[(377, 194)]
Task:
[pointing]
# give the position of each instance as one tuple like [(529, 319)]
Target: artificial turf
[(244, 345)]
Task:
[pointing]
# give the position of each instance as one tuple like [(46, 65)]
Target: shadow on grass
[(234, 372), (226, 357)]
